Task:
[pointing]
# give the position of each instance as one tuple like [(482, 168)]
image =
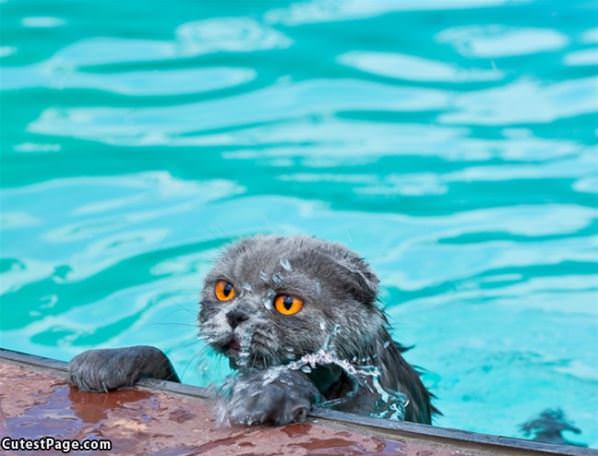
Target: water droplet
[(284, 263), (276, 278), (268, 298), (318, 288), (245, 348)]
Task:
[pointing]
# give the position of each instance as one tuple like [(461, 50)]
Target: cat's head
[(269, 300)]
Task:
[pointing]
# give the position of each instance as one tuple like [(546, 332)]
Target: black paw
[(270, 397), (108, 369)]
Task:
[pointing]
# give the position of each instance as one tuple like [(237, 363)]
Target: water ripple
[(540, 103), (337, 10), (452, 143), (133, 83), (282, 101), (415, 68), (498, 41)]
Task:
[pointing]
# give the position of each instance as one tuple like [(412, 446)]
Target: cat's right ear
[(360, 280)]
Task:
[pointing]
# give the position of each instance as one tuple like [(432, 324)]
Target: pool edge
[(433, 434)]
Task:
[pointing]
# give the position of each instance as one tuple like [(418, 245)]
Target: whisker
[(180, 307), (194, 358), (165, 323)]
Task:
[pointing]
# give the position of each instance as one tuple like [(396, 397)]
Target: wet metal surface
[(36, 403)]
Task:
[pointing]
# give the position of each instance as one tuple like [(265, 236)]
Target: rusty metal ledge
[(327, 432)]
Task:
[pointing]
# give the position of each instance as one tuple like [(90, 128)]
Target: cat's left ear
[(356, 275), (366, 282)]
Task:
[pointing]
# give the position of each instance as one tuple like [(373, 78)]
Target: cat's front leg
[(270, 396), (108, 369)]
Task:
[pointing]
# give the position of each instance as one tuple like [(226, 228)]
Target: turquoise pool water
[(451, 142)]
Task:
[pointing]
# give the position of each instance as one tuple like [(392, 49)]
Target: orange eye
[(224, 291), (287, 304)]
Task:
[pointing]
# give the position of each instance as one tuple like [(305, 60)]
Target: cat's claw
[(264, 397), (108, 369)]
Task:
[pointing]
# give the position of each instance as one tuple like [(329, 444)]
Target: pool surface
[(451, 142)]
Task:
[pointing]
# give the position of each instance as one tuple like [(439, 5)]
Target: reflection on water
[(452, 143)]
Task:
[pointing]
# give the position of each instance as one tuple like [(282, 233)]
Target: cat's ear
[(355, 274), (364, 283)]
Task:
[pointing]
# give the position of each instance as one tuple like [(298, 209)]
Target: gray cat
[(297, 317)]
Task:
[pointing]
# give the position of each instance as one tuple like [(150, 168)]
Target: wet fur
[(338, 288)]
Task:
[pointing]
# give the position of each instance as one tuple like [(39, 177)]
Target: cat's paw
[(108, 369), (270, 397)]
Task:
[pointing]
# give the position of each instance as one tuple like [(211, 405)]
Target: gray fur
[(338, 288), (339, 292), (253, 398), (108, 369)]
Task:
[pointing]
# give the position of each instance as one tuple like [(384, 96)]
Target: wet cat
[(277, 307)]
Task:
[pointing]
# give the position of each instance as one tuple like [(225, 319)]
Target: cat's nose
[(236, 317)]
